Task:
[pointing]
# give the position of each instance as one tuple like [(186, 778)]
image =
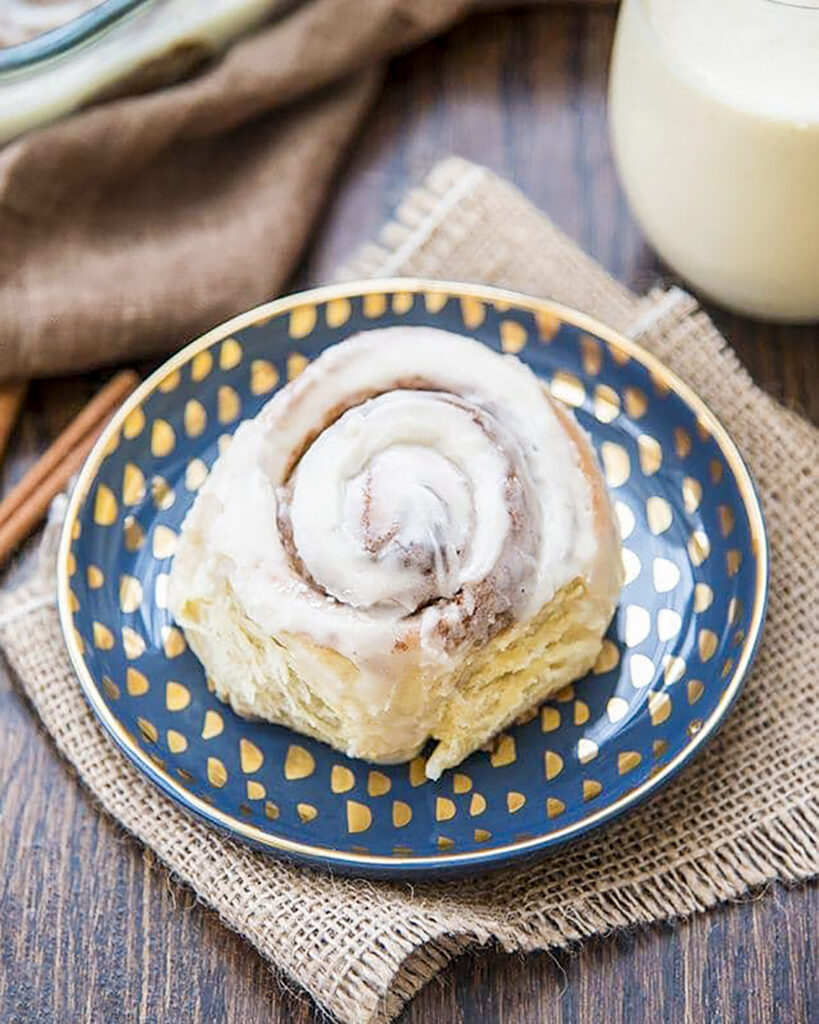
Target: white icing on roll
[(409, 495)]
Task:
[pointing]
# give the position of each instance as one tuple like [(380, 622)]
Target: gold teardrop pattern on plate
[(163, 438), (482, 835), (401, 814), (444, 843), (659, 707), (682, 443), (735, 609), (148, 730), (299, 763), (163, 542), (417, 772), (444, 809), (379, 784), (228, 404), (513, 336), (606, 403), (473, 312), (342, 779), (616, 709), (552, 764), (591, 356), (699, 547), (631, 566), (255, 790), (549, 719), (707, 643), (177, 696), (196, 473), (477, 805), (217, 773), (177, 743), (250, 757), (94, 577), (733, 561), (715, 471), (136, 684), (302, 321), (134, 423), (78, 640), (674, 668), (637, 625), (565, 694), (727, 520), (581, 712), (296, 365), (627, 761), (201, 365), (230, 354), (130, 593), (103, 637), (337, 312), (359, 817), (587, 750), (547, 325), (105, 506), (374, 305), (194, 418), (435, 301), (591, 789), (514, 801), (133, 535), (694, 690), (173, 641), (170, 382), (669, 624), (658, 514), (636, 403), (213, 725), (727, 665), (616, 463), (640, 670), (162, 493), (692, 494), (665, 575), (566, 388), (554, 807), (703, 597), (111, 689), (650, 454), (271, 811), (133, 484), (659, 748), (625, 519), (263, 377), (505, 752), (133, 643), (607, 659), (694, 727), (618, 354)]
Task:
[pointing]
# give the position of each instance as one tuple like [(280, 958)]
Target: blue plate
[(691, 611)]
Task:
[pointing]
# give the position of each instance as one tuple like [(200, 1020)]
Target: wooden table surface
[(92, 930)]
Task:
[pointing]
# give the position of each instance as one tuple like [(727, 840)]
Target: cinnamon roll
[(411, 541)]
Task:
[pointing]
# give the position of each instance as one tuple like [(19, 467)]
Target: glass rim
[(63, 38)]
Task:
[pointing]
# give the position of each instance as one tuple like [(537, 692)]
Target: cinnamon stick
[(96, 412), (11, 398)]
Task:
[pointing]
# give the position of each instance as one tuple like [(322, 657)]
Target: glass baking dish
[(59, 55)]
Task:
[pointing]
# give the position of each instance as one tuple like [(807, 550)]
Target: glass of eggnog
[(714, 115)]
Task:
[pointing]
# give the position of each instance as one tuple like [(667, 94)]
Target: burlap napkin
[(744, 813)]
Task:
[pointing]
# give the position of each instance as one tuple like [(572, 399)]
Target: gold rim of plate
[(354, 289)]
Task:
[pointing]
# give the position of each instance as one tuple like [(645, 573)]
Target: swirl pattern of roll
[(410, 541)]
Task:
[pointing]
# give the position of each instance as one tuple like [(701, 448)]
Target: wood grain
[(93, 931)]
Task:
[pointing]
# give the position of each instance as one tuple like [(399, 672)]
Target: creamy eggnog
[(714, 113)]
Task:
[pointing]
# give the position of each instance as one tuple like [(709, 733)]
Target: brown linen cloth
[(135, 225), (744, 813)]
